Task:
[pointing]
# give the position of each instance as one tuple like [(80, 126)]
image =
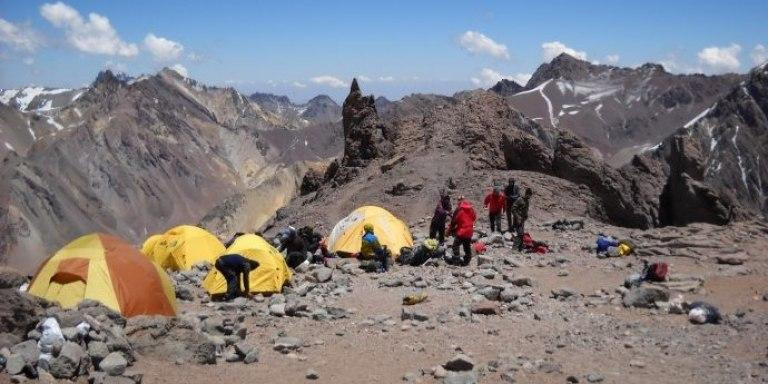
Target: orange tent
[(107, 269)]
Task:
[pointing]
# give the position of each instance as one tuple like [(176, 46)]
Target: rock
[(735, 259), (8, 340), (645, 297), (168, 339), (364, 138), (322, 274), (484, 260), (28, 350), (486, 308), (312, 374), (412, 314), (70, 334), (439, 372), (231, 356), (66, 365), (19, 313), (252, 356), (287, 344), (11, 278), (637, 363), (15, 364), (490, 293), (460, 362), (277, 309), (594, 378), (564, 293), (97, 350), (508, 295), (114, 364), (519, 281), (468, 377), (184, 292)]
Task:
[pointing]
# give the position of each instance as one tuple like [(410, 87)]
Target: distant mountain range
[(134, 156), (617, 111)]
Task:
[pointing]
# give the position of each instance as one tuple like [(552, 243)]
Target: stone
[(595, 378), (67, 364), (460, 362), (572, 379), (231, 356), (70, 334), (169, 339), (490, 293), (412, 314), (735, 259), (484, 259), (277, 309), (28, 350), (252, 356), (11, 278), (468, 377), (439, 372), (322, 274), (508, 295), (114, 364), (486, 308), (312, 374), (15, 364), (644, 297), (8, 340), (184, 292), (637, 363), (564, 294), (287, 344), (97, 350), (519, 281)]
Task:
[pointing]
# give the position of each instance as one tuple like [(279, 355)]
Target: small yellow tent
[(269, 277), (182, 247), (346, 237), (107, 269)]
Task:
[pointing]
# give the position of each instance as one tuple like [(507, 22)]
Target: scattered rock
[(645, 297), (412, 314), (460, 362), (15, 364), (66, 365), (312, 374), (468, 377), (287, 344), (322, 274), (114, 364), (595, 378), (486, 308), (277, 309), (564, 294), (735, 259)]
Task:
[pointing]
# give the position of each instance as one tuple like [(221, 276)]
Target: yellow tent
[(346, 237), (107, 269), (269, 277), (182, 247)]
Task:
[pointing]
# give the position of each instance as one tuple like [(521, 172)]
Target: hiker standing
[(463, 227), (496, 204), (437, 226), (512, 193), (235, 269), (294, 246), (372, 249), (520, 215)]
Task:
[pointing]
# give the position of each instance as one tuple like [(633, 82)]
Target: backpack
[(480, 248), (657, 272), (527, 240)]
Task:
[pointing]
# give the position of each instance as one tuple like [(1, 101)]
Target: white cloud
[(29, 60), (363, 78), (162, 49), (759, 54), (721, 59), (612, 59), (329, 81), (299, 85), (478, 43), (488, 78), (95, 35), (386, 79), (19, 36), (180, 69), (552, 49)]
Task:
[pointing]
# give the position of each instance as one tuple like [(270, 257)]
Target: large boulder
[(67, 364), (364, 134), (645, 297), (11, 278), (169, 339), (19, 312)]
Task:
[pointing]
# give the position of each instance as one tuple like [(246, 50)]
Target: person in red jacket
[(463, 227), (496, 203)]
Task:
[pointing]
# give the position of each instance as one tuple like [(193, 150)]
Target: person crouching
[(235, 269)]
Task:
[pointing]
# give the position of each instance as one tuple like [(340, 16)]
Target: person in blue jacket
[(232, 267)]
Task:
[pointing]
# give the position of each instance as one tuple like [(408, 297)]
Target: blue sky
[(303, 48)]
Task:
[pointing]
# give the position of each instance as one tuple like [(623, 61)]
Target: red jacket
[(463, 221), (495, 203)]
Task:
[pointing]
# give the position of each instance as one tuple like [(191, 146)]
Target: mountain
[(136, 156), (727, 145), (507, 87), (617, 111), (318, 110)]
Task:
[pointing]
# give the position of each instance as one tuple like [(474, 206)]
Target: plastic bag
[(51, 335)]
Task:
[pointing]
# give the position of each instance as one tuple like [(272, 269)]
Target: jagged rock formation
[(136, 156), (318, 110), (507, 87), (618, 111), (365, 135)]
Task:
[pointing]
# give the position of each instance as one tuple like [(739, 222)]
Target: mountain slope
[(318, 110), (136, 156), (617, 111)]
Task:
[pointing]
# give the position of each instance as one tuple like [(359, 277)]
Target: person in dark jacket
[(512, 193), (232, 267), (520, 215), (294, 246), (437, 226), (462, 228), (496, 204)]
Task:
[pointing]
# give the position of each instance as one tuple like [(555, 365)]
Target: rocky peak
[(108, 79), (269, 98), (652, 67), (564, 67), (507, 87), (364, 134)]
